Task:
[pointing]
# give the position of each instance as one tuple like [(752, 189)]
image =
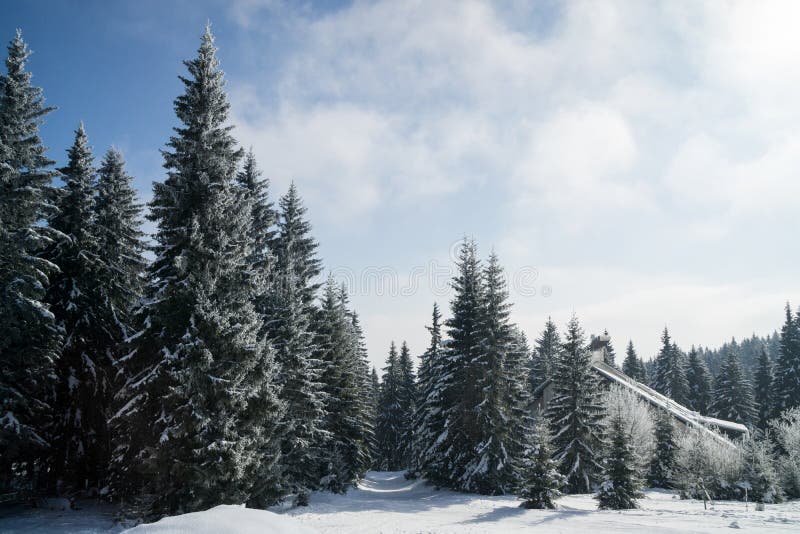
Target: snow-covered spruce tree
[(200, 407), (610, 356), (408, 404), (763, 390), (670, 371), (488, 468), (699, 380), (79, 302), (759, 475), (457, 381), (576, 412), (639, 423), (662, 465), (29, 337), (631, 365), (300, 386), (366, 398), (518, 401), (733, 393), (429, 422), (346, 452), (545, 353), (295, 245), (389, 429), (787, 368), (541, 481), (621, 486)]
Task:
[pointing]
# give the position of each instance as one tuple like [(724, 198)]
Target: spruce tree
[(346, 455), (293, 245), (621, 487), (80, 304), (733, 393), (760, 476), (200, 411), (541, 480), (787, 368), (390, 424), (610, 356), (408, 403), (699, 381), (545, 353), (632, 366), (518, 401), (763, 389), (429, 421), (29, 337), (662, 465), (488, 468), (670, 371), (576, 412)]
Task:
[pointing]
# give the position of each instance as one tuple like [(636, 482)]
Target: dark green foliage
[(632, 366), (610, 355), (699, 381), (29, 337), (390, 429), (662, 465), (407, 396), (621, 487), (670, 371), (787, 368), (544, 354), (763, 390), (733, 394), (576, 412), (541, 481)]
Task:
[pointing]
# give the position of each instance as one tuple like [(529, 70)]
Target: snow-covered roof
[(680, 412)]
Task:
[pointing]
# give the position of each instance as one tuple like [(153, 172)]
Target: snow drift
[(225, 519)]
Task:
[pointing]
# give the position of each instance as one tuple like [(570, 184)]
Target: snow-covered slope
[(225, 519)]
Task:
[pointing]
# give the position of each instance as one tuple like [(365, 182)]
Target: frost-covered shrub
[(638, 422), (705, 463), (759, 475), (787, 435)]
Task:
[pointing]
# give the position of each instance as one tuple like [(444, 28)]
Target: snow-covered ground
[(388, 503)]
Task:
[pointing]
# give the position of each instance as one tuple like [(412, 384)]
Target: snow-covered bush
[(637, 420), (708, 464), (759, 475), (787, 434)]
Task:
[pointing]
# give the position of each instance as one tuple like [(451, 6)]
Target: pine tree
[(429, 420), (541, 480), (621, 487), (489, 469), (787, 368), (200, 409), (763, 389), (407, 395), (79, 301), (347, 450), (295, 246), (610, 355), (670, 371), (29, 338), (390, 428), (733, 393), (545, 353), (632, 366), (457, 380), (699, 381), (518, 402), (576, 412), (662, 465)]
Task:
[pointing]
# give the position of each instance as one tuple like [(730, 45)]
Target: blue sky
[(641, 158)]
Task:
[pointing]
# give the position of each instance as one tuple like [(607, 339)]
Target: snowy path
[(388, 503)]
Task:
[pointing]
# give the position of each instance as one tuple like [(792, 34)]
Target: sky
[(635, 163)]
